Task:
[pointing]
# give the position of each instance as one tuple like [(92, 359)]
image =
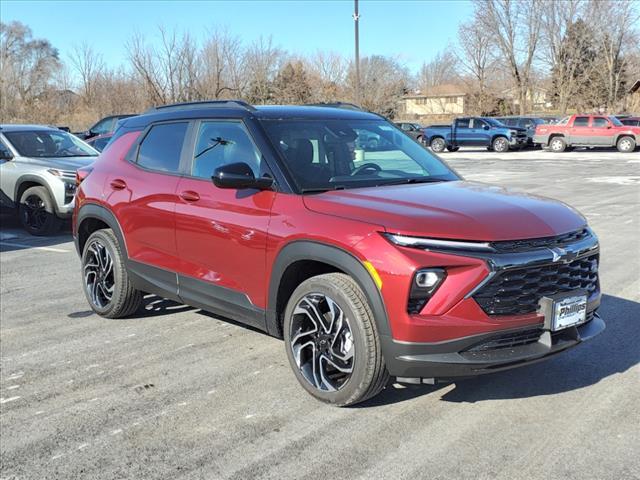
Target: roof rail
[(205, 103), (344, 105)]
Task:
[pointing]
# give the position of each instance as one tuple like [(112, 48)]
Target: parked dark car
[(378, 264), (414, 130), (105, 125), (475, 132), (528, 123), (100, 141), (631, 121)]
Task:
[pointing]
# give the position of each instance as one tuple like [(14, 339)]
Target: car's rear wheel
[(557, 144), (500, 145), (332, 342), (37, 212), (105, 279), (626, 144), (438, 145)]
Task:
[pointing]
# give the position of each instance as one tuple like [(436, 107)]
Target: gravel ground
[(178, 394)]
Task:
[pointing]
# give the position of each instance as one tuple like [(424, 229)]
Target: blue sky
[(413, 31)]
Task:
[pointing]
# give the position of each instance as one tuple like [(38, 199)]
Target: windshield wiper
[(217, 141), (321, 189), (406, 181)]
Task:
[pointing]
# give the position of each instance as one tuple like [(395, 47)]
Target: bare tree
[(515, 28), (476, 61), (221, 56), (170, 71), (383, 81), (89, 65), (327, 74), (440, 70), (617, 36), (558, 18), (265, 61), (27, 67)]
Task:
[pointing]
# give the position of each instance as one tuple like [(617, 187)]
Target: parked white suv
[(38, 174)]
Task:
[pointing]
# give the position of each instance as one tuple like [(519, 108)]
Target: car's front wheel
[(37, 212), (106, 282), (557, 144), (332, 342), (626, 144), (500, 145), (438, 145)]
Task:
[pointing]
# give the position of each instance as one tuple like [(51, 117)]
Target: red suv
[(370, 262)]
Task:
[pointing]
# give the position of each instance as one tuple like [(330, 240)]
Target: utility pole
[(356, 18)]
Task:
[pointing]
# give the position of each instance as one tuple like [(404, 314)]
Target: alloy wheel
[(35, 212), (625, 145), (556, 145), (322, 342), (501, 145), (98, 274)]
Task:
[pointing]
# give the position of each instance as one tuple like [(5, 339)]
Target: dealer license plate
[(569, 311)]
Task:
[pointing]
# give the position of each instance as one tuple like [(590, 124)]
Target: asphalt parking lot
[(177, 393)]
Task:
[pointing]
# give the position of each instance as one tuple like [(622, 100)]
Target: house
[(446, 99), (537, 98)]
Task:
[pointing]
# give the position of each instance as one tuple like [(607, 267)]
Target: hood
[(451, 210), (62, 163)]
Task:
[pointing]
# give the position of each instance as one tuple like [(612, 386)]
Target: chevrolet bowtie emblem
[(558, 253)]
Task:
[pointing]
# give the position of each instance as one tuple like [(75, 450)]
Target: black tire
[(125, 299), (37, 212), (500, 144), (557, 144), (453, 149), (626, 144), (368, 374), (437, 144)]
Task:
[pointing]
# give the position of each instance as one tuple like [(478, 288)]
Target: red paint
[(232, 238)]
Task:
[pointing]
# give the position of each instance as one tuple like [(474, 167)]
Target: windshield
[(48, 144), (616, 122), (339, 153), (494, 122)]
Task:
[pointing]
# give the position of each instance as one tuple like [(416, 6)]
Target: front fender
[(337, 257)]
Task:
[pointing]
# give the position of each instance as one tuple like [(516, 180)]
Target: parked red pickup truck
[(587, 131)]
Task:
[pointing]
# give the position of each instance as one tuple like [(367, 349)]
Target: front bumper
[(518, 141), (471, 356)]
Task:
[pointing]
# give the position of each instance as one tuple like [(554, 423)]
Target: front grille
[(517, 291), (512, 246), (508, 340)]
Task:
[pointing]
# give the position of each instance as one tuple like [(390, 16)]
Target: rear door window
[(463, 123), (161, 148), (581, 122), (600, 122)]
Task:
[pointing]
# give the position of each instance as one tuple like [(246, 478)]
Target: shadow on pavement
[(14, 237), (614, 351)]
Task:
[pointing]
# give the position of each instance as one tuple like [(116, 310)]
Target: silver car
[(38, 167)]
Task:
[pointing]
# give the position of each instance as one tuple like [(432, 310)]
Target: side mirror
[(238, 176), (6, 156), (487, 127)]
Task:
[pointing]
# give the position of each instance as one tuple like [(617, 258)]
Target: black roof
[(239, 109)]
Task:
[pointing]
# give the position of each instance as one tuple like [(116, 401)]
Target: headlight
[(424, 284), (438, 244)]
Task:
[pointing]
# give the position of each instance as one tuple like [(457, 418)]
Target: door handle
[(118, 184), (189, 196)]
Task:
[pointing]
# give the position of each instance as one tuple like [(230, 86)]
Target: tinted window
[(345, 153), (631, 122), (581, 122), (161, 147), (463, 123), (599, 122), (4, 151), (103, 126), (49, 144), (220, 143), (100, 143)]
